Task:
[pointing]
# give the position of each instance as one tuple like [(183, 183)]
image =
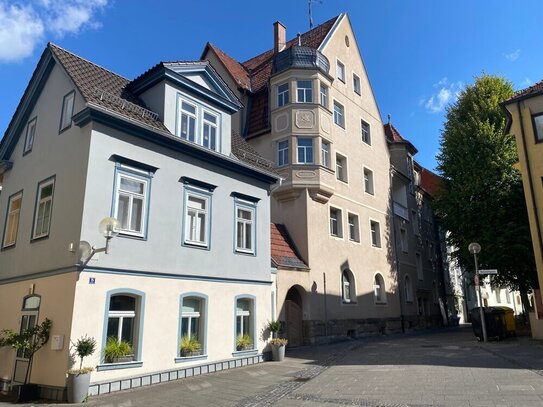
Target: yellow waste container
[(510, 325)]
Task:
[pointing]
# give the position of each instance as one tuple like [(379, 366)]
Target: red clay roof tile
[(283, 250)]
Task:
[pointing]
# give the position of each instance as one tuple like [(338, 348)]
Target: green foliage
[(481, 198), (274, 326), (243, 342), (190, 344), (115, 349), (84, 347), (29, 341)]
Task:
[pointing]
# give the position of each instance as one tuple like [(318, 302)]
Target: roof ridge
[(305, 33), (51, 44)]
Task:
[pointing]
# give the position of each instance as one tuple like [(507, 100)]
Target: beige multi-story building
[(309, 108)]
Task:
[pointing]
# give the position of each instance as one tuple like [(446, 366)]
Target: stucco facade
[(192, 256)]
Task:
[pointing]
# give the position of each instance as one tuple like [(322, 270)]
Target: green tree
[(481, 198)]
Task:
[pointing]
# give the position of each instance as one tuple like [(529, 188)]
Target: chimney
[(279, 37)]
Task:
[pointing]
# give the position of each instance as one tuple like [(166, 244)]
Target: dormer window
[(199, 124)]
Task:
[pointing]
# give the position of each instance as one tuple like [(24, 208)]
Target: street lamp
[(109, 228), (475, 248)]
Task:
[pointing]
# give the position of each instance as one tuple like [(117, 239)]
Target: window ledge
[(380, 303), (115, 366), (250, 352), (189, 358), (245, 253), (348, 302), (129, 236)]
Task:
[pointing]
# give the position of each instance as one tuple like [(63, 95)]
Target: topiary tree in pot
[(27, 343), (79, 379), (277, 344)]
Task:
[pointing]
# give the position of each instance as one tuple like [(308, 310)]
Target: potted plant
[(244, 342), (190, 346), (117, 351), (79, 379), (278, 346), (27, 343)]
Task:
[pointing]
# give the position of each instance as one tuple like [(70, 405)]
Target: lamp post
[(475, 248), (109, 228)]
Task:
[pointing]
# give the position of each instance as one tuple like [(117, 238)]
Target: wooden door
[(294, 323)]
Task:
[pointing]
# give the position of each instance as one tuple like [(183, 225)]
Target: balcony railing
[(300, 57)]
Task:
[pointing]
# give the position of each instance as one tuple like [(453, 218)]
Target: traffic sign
[(491, 271)]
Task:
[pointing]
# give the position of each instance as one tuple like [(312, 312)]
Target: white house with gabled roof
[(192, 256)]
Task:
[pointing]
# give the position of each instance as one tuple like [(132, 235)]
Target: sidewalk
[(432, 368)]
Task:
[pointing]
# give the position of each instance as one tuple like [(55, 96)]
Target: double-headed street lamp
[(475, 248)]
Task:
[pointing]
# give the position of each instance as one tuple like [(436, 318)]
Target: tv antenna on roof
[(309, 3)]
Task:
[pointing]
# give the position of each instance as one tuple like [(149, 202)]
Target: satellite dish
[(83, 252)]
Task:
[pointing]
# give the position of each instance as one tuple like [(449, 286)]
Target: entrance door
[(294, 323), (29, 319)]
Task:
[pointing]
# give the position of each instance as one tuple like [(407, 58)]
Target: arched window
[(408, 289), (193, 324), (245, 323), (348, 287), (124, 322), (379, 292)]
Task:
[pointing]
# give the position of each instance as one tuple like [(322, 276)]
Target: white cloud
[(447, 93), (23, 26), (20, 30), (526, 82), (512, 56)]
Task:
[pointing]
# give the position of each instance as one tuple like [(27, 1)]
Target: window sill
[(182, 359), (348, 302), (116, 366), (250, 352), (381, 303), (246, 253), (37, 239), (8, 247), (196, 245), (129, 236)]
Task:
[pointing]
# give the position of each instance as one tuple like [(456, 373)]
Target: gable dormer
[(192, 100)]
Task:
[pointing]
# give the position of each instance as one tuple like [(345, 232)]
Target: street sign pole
[(481, 310)]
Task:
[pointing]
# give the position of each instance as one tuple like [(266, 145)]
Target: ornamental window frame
[(40, 232), (13, 218)]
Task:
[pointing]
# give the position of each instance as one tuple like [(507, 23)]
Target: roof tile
[(283, 250)]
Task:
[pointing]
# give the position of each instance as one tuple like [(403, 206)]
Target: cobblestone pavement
[(439, 368)]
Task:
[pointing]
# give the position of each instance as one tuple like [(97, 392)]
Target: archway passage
[(294, 315)]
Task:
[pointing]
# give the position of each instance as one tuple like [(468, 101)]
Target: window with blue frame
[(193, 319), (199, 123), (245, 223), (44, 208), (131, 199), (245, 324), (197, 217)]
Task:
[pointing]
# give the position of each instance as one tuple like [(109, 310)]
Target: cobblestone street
[(439, 368)]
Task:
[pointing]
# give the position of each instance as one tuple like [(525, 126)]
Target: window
[(131, 201), (305, 150), (430, 251), (366, 135), (282, 153), (44, 207), (435, 294), (325, 154), (324, 96), (415, 223), (340, 71), (410, 173), (188, 121), (197, 210), (193, 320), (304, 91), (408, 289), (420, 273), (403, 240), (538, 127), (336, 222), (210, 131), (348, 291), (498, 292), (375, 234), (507, 296), (354, 230), (341, 168), (368, 181), (356, 83), (12, 219), (122, 322), (339, 114), (245, 227), (67, 111), (379, 292), (30, 134), (245, 324), (29, 319), (282, 95)]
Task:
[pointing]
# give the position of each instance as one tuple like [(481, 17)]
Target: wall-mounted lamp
[(109, 228)]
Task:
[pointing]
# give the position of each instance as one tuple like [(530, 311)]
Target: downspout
[(395, 249)]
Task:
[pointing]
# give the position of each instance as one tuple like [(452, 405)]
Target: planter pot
[(121, 359), (242, 348), (188, 354), (78, 387), (278, 352), (27, 392)]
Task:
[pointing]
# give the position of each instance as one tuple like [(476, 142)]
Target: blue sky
[(418, 53)]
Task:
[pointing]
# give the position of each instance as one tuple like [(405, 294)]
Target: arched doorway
[(293, 316)]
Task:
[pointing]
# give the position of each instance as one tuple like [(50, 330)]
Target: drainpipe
[(395, 249)]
